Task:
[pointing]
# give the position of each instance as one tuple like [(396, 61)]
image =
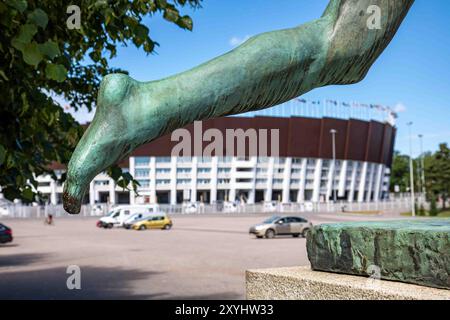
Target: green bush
[(421, 211), (433, 206), (416, 208)]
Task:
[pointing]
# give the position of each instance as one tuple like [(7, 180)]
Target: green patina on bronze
[(268, 69), (413, 251)]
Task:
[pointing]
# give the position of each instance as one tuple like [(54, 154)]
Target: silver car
[(276, 225)]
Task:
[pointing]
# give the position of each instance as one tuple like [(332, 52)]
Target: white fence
[(403, 204)]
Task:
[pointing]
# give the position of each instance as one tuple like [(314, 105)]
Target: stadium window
[(163, 159), (141, 161)]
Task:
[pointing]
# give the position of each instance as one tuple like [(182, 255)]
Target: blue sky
[(414, 71)]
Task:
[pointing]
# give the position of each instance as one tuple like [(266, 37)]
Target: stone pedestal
[(302, 283), (415, 251)]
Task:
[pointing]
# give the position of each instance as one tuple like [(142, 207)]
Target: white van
[(118, 215)]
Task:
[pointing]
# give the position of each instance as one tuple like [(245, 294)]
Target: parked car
[(191, 207), (270, 206), (5, 234), (229, 206), (5, 207), (4, 211), (128, 223), (160, 221), (309, 206), (276, 225), (97, 210), (118, 215)]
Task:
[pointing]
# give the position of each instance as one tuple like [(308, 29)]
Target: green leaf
[(27, 194), (122, 183), (2, 73), (171, 14), (185, 22), (20, 5), (115, 172), (2, 154), (56, 72), (38, 17), (26, 33), (141, 31), (127, 176), (31, 54), (25, 104), (50, 49)]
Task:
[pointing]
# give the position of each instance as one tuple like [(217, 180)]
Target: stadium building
[(302, 168)]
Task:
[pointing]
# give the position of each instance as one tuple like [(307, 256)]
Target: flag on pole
[(332, 102)]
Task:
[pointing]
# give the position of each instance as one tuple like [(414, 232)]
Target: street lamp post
[(411, 172), (333, 141), (422, 165)]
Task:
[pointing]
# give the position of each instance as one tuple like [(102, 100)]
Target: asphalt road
[(200, 258)]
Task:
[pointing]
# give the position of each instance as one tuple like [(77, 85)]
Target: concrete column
[(194, 179), (371, 174), (53, 199), (232, 193), (173, 180), (362, 183), (214, 168), (317, 180), (286, 180), (252, 191), (91, 193), (153, 198), (301, 190), (112, 191), (342, 179), (351, 193), (133, 173), (378, 182), (330, 177), (268, 193)]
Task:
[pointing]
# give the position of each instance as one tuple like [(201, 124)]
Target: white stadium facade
[(302, 169)]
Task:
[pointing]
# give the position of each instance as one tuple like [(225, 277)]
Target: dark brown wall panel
[(390, 155), (304, 137), (327, 146), (375, 141), (357, 139), (282, 124), (388, 137), (299, 137)]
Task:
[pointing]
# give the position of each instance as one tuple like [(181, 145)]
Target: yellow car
[(159, 221)]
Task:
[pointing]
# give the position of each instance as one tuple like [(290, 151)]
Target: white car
[(5, 206), (191, 207), (4, 211), (97, 210), (118, 215), (309, 206), (270, 206), (229, 206)]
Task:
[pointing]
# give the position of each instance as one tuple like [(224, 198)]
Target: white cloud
[(235, 41), (400, 107)]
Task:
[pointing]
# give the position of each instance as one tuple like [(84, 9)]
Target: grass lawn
[(362, 212), (442, 214)]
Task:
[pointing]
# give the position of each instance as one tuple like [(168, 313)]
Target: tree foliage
[(40, 58), (437, 171), (400, 172)]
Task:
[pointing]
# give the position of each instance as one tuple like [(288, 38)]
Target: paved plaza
[(202, 257)]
